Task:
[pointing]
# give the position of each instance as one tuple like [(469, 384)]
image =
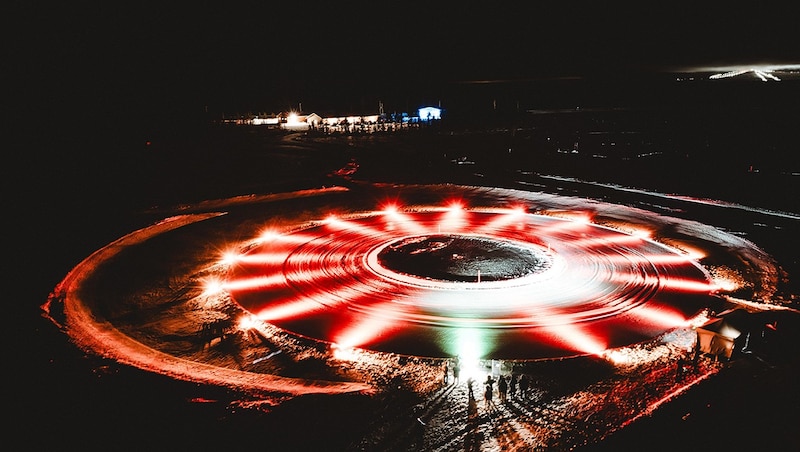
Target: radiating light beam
[(575, 338)]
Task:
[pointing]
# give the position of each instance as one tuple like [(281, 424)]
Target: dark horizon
[(164, 60)]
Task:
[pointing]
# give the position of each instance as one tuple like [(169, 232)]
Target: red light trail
[(530, 286), (543, 277)]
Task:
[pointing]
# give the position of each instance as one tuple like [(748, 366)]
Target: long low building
[(349, 123)]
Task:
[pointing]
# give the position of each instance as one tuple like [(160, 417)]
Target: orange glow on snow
[(248, 322), (725, 284), (212, 287), (343, 353), (691, 252), (229, 258), (642, 233)]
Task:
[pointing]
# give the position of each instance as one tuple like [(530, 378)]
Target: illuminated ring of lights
[(601, 287), (525, 251)]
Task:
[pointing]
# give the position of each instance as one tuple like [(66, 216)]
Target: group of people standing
[(513, 386), (508, 387)]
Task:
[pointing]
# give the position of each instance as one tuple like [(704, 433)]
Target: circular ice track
[(488, 283)]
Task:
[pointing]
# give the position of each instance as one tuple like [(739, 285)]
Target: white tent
[(737, 331)]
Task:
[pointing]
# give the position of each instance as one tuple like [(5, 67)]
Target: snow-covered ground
[(151, 321)]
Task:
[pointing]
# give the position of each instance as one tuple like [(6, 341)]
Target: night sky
[(143, 60)]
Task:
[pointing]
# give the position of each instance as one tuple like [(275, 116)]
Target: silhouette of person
[(490, 381), (680, 369), (487, 395), (502, 389), (456, 371), (512, 385), (523, 386)]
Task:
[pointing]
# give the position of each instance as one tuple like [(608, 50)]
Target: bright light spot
[(471, 368), (726, 279), (764, 73), (345, 353), (698, 320), (729, 74), (248, 322), (642, 233), (468, 346), (692, 253), (619, 356), (584, 219), (455, 207), (292, 119), (724, 284), (229, 258), (268, 235), (427, 113), (389, 209), (453, 219), (212, 287)]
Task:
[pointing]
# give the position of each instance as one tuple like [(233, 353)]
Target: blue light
[(429, 113)]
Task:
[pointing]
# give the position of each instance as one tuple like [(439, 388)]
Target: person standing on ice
[(490, 381), (523, 386), (488, 392), (456, 371), (502, 388)]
